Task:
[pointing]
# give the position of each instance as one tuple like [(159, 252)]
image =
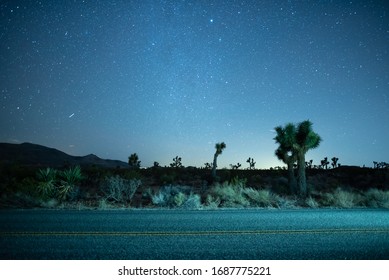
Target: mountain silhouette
[(38, 155)]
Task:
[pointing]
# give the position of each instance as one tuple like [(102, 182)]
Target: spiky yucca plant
[(47, 178), (69, 179)]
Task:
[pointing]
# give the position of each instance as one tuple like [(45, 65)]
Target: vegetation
[(235, 166), (334, 162), (286, 138), (133, 161), (219, 149), (306, 139), (300, 184), (119, 190), (176, 162), (251, 163), (176, 197), (58, 184), (325, 163)]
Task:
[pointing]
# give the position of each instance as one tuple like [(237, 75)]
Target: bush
[(47, 182), (176, 197), (230, 195), (311, 202), (179, 199), (377, 198), (61, 185), (211, 202), (342, 199), (236, 194), (119, 190), (192, 202), (261, 198)]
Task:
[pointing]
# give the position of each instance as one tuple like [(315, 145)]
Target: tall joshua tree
[(286, 137), (306, 139), (219, 149)]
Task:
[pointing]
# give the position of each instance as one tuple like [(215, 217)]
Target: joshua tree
[(380, 165), (251, 163), (207, 165), (133, 161), (334, 162), (235, 166), (308, 164), (176, 162), (219, 149), (306, 139), (325, 163), (286, 137)]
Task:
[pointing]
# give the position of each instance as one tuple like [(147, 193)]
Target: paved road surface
[(168, 234)]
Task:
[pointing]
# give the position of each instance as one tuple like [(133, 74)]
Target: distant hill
[(37, 155)]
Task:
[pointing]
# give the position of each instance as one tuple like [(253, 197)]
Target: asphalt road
[(173, 234)]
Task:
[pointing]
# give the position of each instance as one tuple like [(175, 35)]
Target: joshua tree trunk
[(219, 149), (214, 166), (292, 179), (302, 181)]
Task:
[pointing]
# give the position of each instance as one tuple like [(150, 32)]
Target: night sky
[(173, 78)]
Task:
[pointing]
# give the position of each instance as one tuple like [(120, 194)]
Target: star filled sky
[(173, 78)]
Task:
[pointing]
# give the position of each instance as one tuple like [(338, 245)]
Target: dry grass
[(377, 198), (311, 202), (343, 199), (175, 197), (261, 198), (236, 194), (229, 195)]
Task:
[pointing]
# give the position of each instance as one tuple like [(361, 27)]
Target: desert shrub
[(176, 197), (261, 198), (192, 202), (67, 188), (104, 204), (47, 182), (166, 196), (236, 194), (179, 199), (71, 176), (211, 202), (230, 194), (377, 198), (159, 199), (119, 190), (59, 184), (287, 202), (311, 202), (343, 199)]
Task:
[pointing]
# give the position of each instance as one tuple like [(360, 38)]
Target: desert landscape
[(36, 176)]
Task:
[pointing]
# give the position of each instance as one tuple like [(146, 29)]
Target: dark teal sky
[(168, 78)]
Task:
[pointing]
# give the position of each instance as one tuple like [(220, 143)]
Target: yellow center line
[(197, 233)]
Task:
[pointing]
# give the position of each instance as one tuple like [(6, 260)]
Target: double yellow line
[(198, 233)]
